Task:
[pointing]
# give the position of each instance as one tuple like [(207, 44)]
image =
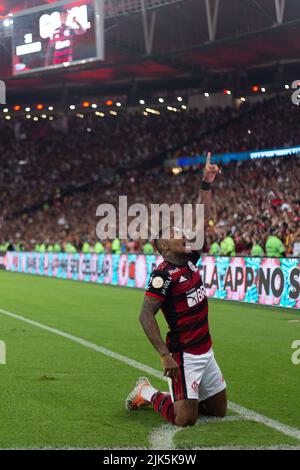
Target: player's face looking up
[(63, 17), (176, 243)]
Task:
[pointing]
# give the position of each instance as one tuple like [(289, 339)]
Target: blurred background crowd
[(54, 175)]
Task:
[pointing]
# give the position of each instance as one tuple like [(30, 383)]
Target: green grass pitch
[(56, 393)]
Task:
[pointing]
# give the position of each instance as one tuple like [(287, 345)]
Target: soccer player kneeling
[(196, 383)]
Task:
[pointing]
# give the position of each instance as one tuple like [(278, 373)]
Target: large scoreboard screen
[(59, 35)]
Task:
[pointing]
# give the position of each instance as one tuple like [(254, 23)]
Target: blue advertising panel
[(264, 281)]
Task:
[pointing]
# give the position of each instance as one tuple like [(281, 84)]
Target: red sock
[(162, 403)]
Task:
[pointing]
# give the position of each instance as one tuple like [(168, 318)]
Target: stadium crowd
[(53, 178), (267, 124), (41, 159)]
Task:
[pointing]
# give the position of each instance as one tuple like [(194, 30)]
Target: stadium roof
[(191, 38)]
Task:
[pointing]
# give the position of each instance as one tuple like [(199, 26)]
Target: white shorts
[(199, 377)]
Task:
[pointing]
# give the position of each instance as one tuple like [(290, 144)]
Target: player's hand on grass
[(210, 171), (169, 366)]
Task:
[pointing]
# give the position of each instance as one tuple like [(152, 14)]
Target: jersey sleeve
[(159, 285)]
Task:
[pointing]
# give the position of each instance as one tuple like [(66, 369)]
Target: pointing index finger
[(208, 158)]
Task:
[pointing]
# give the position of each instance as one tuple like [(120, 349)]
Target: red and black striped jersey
[(184, 305), (62, 44)]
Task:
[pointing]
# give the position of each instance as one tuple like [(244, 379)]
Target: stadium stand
[(54, 174)]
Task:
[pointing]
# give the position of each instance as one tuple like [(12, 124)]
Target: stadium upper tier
[(55, 173)]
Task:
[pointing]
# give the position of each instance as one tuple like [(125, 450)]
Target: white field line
[(162, 438), (244, 412)]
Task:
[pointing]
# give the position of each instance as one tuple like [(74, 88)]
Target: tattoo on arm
[(149, 323)]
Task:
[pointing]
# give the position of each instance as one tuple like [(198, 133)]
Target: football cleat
[(135, 400)]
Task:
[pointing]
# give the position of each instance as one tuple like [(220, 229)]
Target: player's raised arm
[(209, 175), (81, 29), (149, 323)]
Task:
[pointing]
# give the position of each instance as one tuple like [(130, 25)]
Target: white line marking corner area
[(168, 430)]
